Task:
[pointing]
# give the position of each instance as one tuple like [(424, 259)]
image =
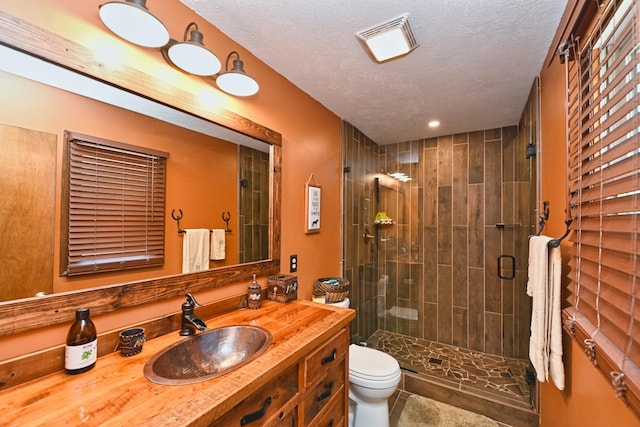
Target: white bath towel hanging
[(556, 367), (195, 250), (544, 286), (218, 245), (537, 288)]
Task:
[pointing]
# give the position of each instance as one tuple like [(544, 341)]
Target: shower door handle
[(513, 267)]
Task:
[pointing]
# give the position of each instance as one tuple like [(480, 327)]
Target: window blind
[(115, 206), (604, 171)]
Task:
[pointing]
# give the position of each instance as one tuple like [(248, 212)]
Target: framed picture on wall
[(313, 194)]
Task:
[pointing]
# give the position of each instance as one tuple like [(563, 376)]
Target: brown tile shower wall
[(467, 203)]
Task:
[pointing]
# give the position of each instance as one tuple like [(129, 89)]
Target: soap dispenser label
[(80, 356)]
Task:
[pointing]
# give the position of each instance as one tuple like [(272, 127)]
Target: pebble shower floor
[(498, 378)]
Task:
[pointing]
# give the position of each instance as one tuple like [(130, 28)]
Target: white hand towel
[(556, 368), (218, 245), (195, 250), (537, 288)]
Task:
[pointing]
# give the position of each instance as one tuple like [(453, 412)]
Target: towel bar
[(177, 218)]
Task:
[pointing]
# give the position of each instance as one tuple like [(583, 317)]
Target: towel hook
[(544, 216), (556, 242), (226, 220), (177, 218)]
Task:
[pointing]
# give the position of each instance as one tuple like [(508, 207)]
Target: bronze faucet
[(190, 322)]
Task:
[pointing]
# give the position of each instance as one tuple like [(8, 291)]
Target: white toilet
[(373, 377), (342, 304)]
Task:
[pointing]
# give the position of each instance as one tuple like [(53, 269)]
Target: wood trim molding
[(573, 16), (31, 313)]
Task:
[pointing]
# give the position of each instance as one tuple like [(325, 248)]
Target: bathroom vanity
[(301, 380)]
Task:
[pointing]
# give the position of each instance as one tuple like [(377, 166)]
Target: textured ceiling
[(473, 69)]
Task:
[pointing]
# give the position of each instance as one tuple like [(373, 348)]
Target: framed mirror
[(152, 98)]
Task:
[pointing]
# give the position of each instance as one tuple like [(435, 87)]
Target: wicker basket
[(332, 292)]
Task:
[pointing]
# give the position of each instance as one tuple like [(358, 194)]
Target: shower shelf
[(383, 219), (392, 222)]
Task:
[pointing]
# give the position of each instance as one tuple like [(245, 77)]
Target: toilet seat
[(372, 368)]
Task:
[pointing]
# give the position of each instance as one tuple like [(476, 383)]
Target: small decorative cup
[(131, 341)]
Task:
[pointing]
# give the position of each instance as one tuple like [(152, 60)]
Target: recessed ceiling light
[(434, 124)]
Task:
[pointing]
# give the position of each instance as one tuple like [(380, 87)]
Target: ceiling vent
[(390, 39)]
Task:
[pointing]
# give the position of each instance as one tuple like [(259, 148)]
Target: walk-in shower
[(438, 260)]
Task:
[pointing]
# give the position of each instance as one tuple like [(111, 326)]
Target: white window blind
[(116, 206), (604, 171)]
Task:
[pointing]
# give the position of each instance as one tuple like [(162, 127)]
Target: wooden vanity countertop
[(116, 393)]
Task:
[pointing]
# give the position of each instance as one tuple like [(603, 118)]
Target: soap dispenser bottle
[(81, 350), (254, 294)]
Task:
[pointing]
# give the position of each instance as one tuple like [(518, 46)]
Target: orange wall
[(311, 145), (588, 398)]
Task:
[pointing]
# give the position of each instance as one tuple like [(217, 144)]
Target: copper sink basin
[(207, 355)]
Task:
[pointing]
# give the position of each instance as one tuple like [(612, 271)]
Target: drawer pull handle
[(325, 393), (254, 416), (331, 357)]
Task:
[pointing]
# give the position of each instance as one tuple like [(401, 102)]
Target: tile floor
[(396, 405)]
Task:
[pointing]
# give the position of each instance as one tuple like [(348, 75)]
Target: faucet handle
[(191, 300)]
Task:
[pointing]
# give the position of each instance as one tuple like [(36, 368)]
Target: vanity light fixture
[(131, 20), (390, 39), (191, 55), (236, 81)]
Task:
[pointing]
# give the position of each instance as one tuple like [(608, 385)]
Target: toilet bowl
[(342, 304), (373, 377)]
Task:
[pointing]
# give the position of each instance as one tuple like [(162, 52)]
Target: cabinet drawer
[(334, 415), (319, 362), (284, 419), (325, 392), (265, 404)]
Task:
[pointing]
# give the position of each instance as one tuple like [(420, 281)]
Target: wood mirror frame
[(32, 313)]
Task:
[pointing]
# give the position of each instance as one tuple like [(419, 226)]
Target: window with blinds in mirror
[(114, 198), (604, 183)]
